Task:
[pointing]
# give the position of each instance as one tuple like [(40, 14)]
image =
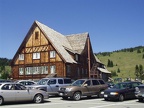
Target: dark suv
[(83, 87), (139, 93)]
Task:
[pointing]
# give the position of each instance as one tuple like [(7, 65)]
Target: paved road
[(57, 102)]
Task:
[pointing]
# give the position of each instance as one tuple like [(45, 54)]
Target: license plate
[(105, 95), (61, 94)]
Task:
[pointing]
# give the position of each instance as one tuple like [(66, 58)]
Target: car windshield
[(43, 81), (78, 82), (120, 86)]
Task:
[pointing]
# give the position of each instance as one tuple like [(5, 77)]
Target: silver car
[(25, 82), (13, 92)]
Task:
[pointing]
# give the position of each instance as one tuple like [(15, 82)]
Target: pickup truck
[(51, 85)]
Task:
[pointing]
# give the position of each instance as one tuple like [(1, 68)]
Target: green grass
[(125, 61)]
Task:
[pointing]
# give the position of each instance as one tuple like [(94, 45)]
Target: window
[(21, 56), (95, 82), (68, 69), (82, 72), (67, 81), (36, 70), (78, 71), (36, 55), (52, 54), (60, 81), (44, 70), (52, 81), (88, 83), (76, 57), (53, 69), (36, 35), (28, 70), (6, 87), (21, 71), (101, 82)]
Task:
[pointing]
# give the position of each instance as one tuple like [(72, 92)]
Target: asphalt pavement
[(58, 102)]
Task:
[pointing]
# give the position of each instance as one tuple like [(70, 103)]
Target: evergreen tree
[(137, 71), (111, 63), (138, 51), (118, 70), (141, 72), (143, 56), (108, 65)]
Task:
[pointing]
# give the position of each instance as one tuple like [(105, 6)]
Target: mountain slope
[(124, 60)]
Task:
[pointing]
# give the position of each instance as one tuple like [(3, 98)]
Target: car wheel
[(100, 95), (121, 97), (106, 99), (77, 96), (1, 100), (140, 99), (38, 98), (89, 97), (65, 98)]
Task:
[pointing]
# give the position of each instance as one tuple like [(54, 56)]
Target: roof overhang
[(103, 70)]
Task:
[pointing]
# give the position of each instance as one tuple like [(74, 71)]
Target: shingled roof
[(77, 41), (74, 43)]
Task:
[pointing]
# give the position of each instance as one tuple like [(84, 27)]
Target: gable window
[(36, 55), (36, 35), (21, 56), (52, 69), (52, 54), (21, 71)]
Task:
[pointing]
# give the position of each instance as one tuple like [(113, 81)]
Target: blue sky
[(111, 24)]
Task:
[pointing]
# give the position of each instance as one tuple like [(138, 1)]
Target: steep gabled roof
[(74, 43), (77, 41)]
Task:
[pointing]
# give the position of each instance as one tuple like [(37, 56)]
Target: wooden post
[(88, 40)]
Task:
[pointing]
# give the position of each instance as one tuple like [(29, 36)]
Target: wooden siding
[(37, 44)]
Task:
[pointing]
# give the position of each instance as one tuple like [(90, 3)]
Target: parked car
[(83, 87), (51, 85), (110, 84), (121, 91), (140, 92), (25, 82), (13, 92), (4, 80)]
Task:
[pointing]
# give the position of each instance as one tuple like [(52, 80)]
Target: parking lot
[(57, 102)]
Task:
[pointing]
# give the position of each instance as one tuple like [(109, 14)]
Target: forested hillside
[(125, 63), (5, 69)]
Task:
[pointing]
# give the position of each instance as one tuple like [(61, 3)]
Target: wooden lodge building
[(45, 52)]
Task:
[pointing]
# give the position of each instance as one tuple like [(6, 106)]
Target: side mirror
[(85, 85)]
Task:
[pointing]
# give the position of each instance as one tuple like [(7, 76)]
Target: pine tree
[(143, 56), (108, 65), (138, 51), (137, 71), (118, 70)]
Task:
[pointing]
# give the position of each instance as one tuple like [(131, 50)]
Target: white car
[(25, 82), (14, 92)]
